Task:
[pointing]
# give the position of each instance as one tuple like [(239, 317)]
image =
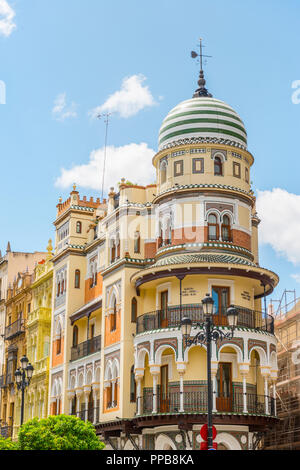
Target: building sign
[(246, 296), (189, 291)]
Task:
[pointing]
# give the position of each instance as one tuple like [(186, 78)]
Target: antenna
[(105, 116)]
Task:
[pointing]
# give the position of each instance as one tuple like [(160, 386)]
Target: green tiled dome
[(202, 117)]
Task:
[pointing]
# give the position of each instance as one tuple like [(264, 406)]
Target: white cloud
[(296, 277), (279, 211), (132, 161), (129, 100), (7, 15), (61, 111)]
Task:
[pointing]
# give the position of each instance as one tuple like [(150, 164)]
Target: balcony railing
[(91, 414), (196, 402), (6, 380), (15, 329), (171, 316), (86, 348)]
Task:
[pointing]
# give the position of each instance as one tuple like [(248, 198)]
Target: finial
[(8, 249), (49, 248), (74, 187), (201, 91), (60, 200)]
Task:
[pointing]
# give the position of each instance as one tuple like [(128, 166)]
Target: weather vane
[(201, 55), (201, 91)]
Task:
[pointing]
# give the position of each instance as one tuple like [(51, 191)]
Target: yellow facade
[(38, 333)]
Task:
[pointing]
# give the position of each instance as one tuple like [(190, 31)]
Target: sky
[(62, 63)]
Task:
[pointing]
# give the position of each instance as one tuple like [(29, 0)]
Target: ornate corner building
[(127, 269)]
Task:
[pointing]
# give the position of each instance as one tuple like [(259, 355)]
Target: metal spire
[(201, 91)]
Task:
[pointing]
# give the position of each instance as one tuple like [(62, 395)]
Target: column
[(139, 394), (267, 411), (95, 395), (244, 370), (214, 371), (245, 409), (78, 399), (154, 410), (181, 368), (86, 400), (274, 397), (154, 371)]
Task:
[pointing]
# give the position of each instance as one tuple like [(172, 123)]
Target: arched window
[(213, 227), (132, 385), (58, 289), (113, 317), (118, 247), (218, 170), (77, 279), (113, 251), (133, 310), (160, 236), (225, 229), (163, 172), (75, 336), (137, 242), (78, 227), (62, 286), (58, 341), (109, 396)]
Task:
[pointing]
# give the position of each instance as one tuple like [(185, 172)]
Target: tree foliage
[(8, 444), (60, 432)]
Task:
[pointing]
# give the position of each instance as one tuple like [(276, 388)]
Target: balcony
[(86, 348), (90, 414), (196, 402), (6, 380), (15, 329), (170, 318)]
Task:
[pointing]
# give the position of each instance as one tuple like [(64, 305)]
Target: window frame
[(218, 164), (194, 163), (180, 172), (236, 169), (210, 224)]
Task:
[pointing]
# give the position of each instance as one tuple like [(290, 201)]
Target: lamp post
[(208, 333), (23, 377)]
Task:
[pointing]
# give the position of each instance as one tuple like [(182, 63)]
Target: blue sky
[(75, 54)]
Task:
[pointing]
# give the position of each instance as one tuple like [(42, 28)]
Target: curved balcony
[(171, 316), (196, 402)]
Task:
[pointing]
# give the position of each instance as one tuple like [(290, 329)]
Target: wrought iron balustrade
[(14, 329), (170, 317), (88, 414), (196, 402), (86, 348)]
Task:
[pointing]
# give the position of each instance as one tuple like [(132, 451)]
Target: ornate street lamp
[(208, 333), (23, 377)]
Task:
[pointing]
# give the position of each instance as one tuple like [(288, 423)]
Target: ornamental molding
[(256, 342), (172, 342), (237, 341), (144, 345)]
